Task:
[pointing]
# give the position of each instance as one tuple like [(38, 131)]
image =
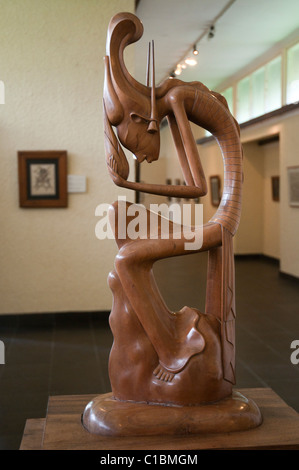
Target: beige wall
[(52, 68), (51, 65)]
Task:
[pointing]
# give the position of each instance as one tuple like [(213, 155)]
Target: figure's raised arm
[(184, 139)]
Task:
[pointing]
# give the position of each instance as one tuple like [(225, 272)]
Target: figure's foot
[(162, 374), (185, 342)]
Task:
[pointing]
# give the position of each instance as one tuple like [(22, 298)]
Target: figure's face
[(141, 136)]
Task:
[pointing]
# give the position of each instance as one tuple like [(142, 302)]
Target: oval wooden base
[(109, 417)]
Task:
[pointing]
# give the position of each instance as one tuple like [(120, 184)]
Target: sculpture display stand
[(170, 372), (61, 429)]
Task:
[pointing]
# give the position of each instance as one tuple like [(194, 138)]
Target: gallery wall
[(259, 230), (51, 55)]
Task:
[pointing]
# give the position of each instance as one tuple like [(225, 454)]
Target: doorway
[(259, 230)]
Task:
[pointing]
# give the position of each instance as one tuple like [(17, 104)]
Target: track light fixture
[(178, 70), (208, 33), (211, 32)]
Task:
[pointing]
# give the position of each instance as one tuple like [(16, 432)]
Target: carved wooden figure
[(185, 360)]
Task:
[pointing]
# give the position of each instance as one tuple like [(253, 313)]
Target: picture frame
[(275, 188), (42, 178), (293, 185), (215, 190)]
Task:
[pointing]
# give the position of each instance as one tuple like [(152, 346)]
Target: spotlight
[(191, 61), (178, 70), (195, 51)]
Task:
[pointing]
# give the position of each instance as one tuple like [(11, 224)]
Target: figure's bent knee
[(117, 215), (131, 257), (113, 280), (120, 214), (127, 256)]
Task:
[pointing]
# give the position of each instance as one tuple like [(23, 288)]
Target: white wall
[(249, 237), (259, 230), (51, 59), (289, 216), (271, 219), (286, 126)]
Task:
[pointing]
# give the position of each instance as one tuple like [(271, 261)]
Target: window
[(260, 92), (273, 98), (228, 95), (267, 88), (243, 100), (293, 74)]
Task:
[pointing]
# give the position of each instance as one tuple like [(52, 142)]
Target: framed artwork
[(215, 190), (42, 178), (293, 185), (275, 188)]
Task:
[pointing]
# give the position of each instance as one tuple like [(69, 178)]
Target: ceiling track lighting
[(190, 60), (211, 32), (208, 33)]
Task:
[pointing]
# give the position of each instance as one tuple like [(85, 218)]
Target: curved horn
[(113, 106), (123, 29), (153, 120)]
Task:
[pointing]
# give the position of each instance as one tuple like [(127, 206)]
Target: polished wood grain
[(124, 418), (184, 358), (33, 434), (279, 430)]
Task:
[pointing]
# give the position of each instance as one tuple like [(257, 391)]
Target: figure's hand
[(115, 158), (112, 168)]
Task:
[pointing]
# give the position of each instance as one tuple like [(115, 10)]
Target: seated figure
[(184, 358)]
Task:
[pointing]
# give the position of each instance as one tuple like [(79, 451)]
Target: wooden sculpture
[(170, 372)]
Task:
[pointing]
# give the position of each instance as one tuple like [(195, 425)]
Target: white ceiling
[(244, 31)]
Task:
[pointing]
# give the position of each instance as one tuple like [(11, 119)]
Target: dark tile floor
[(60, 354)]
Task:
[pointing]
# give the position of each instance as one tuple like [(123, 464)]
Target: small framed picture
[(42, 178), (293, 185), (215, 190), (275, 188)]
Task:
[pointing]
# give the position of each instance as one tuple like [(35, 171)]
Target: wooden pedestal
[(62, 429)]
